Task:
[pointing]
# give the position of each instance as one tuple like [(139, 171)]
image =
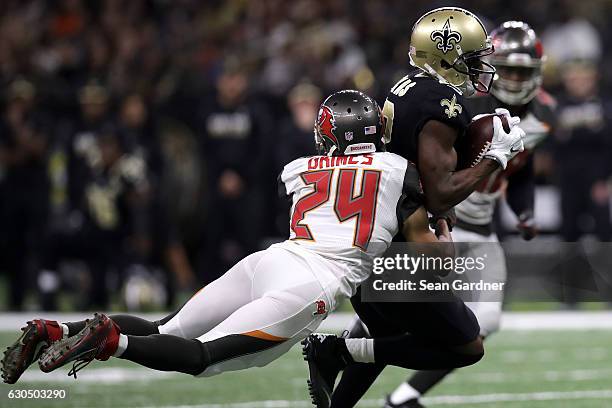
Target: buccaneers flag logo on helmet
[(326, 123)]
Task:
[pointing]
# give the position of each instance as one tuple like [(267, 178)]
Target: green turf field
[(521, 369)]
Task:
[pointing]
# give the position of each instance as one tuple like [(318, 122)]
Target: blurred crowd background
[(140, 140)]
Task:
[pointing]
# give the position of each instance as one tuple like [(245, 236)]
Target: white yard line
[(119, 375), (107, 375), (558, 320), (438, 400), (523, 321), (507, 377), (512, 397)]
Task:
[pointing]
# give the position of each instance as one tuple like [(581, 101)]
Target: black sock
[(128, 324), (411, 352), (164, 352), (424, 380), (75, 327), (356, 380), (135, 326)]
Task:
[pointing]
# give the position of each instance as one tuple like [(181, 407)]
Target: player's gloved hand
[(449, 216), (527, 226), (512, 120), (504, 146)]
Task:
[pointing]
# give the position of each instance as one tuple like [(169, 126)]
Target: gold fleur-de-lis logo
[(452, 107), (445, 39)]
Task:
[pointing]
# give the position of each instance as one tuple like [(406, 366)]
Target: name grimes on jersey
[(323, 162)]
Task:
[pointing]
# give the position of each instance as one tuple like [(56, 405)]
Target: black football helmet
[(518, 61), (349, 122)]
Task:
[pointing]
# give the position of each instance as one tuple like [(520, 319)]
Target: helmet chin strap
[(434, 73), (441, 79), (469, 89)]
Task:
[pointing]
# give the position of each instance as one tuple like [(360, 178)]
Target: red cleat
[(36, 337), (98, 340)]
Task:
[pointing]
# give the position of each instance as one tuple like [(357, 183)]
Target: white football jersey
[(349, 208)]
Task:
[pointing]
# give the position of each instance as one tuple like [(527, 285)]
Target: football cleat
[(98, 340), (411, 403), (326, 357), (36, 337)]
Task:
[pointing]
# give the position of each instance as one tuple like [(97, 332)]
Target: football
[(477, 140)]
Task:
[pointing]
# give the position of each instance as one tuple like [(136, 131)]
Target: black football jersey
[(413, 101)]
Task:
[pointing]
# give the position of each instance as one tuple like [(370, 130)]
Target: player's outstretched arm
[(423, 240), (443, 186), (416, 228)]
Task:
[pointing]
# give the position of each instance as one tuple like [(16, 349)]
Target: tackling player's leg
[(38, 334), (279, 310), (41, 334)]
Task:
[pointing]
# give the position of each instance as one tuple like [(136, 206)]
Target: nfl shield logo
[(348, 136)]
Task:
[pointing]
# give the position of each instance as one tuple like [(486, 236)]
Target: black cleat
[(94, 341), (326, 357), (411, 403), (28, 347)]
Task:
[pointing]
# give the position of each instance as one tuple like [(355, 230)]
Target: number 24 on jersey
[(348, 203)]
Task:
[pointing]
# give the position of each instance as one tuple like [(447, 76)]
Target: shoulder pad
[(446, 105)]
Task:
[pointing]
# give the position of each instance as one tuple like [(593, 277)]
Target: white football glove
[(504, 146), (512, 120)]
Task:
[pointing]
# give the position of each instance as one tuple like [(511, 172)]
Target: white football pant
[(488, 311), (272, 295)]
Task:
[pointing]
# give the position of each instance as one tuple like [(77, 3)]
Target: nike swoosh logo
[(514, 149)]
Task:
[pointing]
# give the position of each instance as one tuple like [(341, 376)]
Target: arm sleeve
[(521, 189), (412, 195)]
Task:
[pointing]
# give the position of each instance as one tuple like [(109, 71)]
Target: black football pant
[(418, 335)]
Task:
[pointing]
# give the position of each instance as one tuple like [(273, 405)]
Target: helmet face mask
[(450, 44), (516, 86), (518, 59), (349, 122), (479, 72)]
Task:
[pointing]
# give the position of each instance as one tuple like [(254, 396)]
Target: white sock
[(404, 393), (122, 345), (65, 330), (362, 350)]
